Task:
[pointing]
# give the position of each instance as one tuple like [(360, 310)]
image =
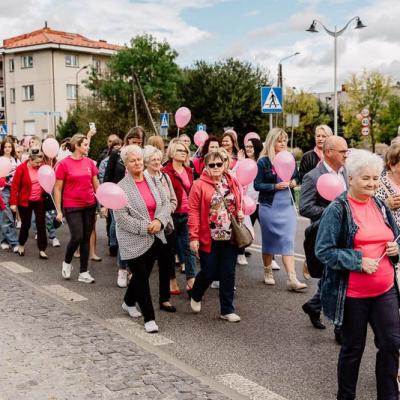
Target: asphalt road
[(274, 345)]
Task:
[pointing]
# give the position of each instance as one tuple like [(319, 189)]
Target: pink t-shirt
[(148, 197), (184, 208), (77, 175), (36, 189), (370, 239)]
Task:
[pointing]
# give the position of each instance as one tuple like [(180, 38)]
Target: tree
[(389, 120), (225, 94), (312, 113), (370, 90)]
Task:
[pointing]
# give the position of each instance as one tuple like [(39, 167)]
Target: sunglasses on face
[(215, 165)]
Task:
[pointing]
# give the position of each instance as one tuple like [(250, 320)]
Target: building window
[(72, 92), (2, 99), (97, 66), (26, 61), (12, 95), (71, 60), (11, 64), (28, 93)]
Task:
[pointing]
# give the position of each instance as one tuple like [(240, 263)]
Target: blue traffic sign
[(201, 127), (3, 130), (164, 120), (271, 99)]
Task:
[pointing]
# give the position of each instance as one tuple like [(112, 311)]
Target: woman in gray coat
[(141, 239)]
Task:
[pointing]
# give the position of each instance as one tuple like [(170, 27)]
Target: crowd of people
[(179, 212)]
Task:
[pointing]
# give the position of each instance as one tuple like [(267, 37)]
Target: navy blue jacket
[(266, 180), (335, 249)]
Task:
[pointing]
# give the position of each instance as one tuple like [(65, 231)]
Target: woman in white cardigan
[(141, 239)]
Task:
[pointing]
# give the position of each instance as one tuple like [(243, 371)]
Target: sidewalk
[(49, 351)]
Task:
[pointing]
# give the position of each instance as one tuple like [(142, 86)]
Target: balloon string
[(178, 132), (294, 204), (52, 199), (384, 253)]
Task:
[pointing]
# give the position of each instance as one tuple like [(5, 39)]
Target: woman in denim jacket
[(356, 243)]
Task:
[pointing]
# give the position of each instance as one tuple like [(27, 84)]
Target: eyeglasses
[(215, 165), (182, 151), (249, 147)]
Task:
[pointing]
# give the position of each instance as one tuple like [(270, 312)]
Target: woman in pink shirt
[(27, 195), (74, 193)]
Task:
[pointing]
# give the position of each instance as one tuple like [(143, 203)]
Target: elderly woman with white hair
[(140, 233), (356, 243)]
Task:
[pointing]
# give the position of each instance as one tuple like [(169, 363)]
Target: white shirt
[(339, 174)]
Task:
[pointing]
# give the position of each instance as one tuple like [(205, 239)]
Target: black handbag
[(48, 202)]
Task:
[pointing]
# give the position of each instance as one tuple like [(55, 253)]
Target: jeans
[(7, 221), (26, 217), (49, 224), (139, 288), (382, 313), (182, 244), (80, 223), (218, 265)]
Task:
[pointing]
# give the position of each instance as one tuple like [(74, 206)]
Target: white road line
[(298, 257), (65, 293), (138, 330), (14, 267), (247, 388)]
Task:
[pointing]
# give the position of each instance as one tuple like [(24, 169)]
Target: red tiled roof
[(47, 35)]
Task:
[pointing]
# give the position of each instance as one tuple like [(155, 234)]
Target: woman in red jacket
[(214, 197), (27, 194)]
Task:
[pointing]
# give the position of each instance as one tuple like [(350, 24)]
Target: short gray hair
[(150, 151), (325, 128), (360, 159), (132, 149)]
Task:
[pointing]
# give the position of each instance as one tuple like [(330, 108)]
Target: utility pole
[(134, 98)]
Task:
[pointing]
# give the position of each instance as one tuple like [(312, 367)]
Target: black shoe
[(170, 309), (247, 254), (338, 335), (113, 251), (315, 318)]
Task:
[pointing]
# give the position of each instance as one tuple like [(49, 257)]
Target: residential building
[(41, 76)]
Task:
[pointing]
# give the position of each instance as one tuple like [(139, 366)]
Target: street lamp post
[(335, 34), (77, 84)]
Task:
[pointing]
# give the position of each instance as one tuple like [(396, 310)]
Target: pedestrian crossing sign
[(164, 120), (271, 99)]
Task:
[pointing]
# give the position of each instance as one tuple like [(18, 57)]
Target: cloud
[(117, 21)]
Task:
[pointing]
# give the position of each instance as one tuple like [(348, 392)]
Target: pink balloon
[(232, 132), (284, 165), (249, 205), (200, 137), (27, 139), (182, 117), (50, 147), (5, 167), (251, 135), (246, 171), (110, 195), (329, 186), (46, 178)]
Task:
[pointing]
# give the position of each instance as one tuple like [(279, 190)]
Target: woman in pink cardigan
[(214, 197)]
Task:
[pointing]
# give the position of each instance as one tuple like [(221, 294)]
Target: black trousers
[(80, 223), (40, 217), (139, 287), (382, 313)]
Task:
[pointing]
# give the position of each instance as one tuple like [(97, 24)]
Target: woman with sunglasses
[(181, 176), (215, 196), (27, 195)]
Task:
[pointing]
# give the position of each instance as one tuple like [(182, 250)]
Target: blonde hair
[(172, 150), (273, 136), (325, 128), (156, 141), (75, 141)]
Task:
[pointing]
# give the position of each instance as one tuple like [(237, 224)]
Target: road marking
[(14, 267), (247, 388), (257, 248), (63, 292), (138, 330)]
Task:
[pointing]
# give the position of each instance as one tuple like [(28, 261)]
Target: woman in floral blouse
[(213, 198)]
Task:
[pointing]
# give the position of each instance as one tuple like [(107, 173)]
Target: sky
[(258, 31)]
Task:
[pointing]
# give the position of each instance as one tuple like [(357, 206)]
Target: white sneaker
[(85, 277), (241, 259), (132, 311), (18, 224), (195, 306), (56, 243), (15, 249), (231, 317), (122, 280), (35, 236), (66, 270), (215, 285), (275, 266), (4, 246), (151, 327)]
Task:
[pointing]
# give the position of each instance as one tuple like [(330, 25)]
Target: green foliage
[(312, 113), (389, 120), (225, 94), (370, 90)]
